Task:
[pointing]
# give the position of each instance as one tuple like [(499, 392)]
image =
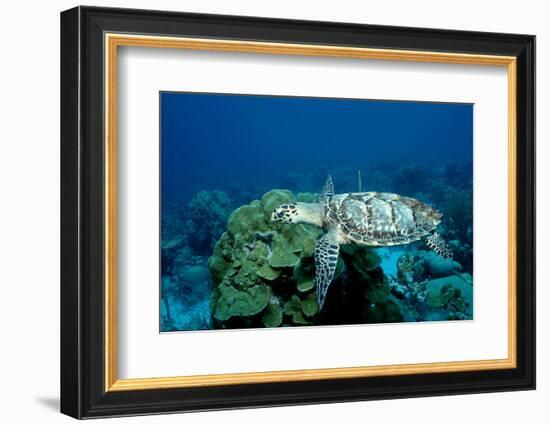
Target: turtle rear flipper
[(440, 247), (328, 190), (326, 258)]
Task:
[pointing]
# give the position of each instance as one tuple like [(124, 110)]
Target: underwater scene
[(298, 211)]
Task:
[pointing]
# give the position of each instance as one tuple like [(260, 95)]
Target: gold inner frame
[(113, 41)]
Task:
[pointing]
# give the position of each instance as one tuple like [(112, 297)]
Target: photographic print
[(232, 181), (296, 211)]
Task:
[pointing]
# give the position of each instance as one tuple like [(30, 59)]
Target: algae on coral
[(309, 305), (255, 253), (231, 301), (273, 315), (451, 292), (293, 308), (304, 275)]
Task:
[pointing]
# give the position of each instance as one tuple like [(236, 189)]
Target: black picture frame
[(83, 392)]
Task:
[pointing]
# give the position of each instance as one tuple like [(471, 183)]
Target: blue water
[(245, 145)]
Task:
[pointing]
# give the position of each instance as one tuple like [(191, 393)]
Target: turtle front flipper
[(326, 258), (440, 247)]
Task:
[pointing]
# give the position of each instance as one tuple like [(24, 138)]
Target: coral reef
[(432, 288), (408, 179), (172, 221), (206, 216), (185, 282), (452, 293), (183, 301), (263, 273), (458, 208), (227, 266)]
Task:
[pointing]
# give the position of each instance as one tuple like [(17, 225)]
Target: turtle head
[(285, 213), (298, 212)]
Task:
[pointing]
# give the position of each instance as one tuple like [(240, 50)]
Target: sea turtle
[(373, 219)]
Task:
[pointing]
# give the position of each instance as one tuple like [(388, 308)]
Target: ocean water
[(220, 152)]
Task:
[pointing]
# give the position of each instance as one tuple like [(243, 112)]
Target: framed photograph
[(261, 212)]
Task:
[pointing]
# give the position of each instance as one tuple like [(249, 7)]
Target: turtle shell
[(381, 219)]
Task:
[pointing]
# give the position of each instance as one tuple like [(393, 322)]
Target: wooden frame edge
[(110, 213), (137, 384), (114, 40), (512, 212)]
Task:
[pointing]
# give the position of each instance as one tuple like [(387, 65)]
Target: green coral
[(452, 293), (284, 254), (304, 275), (383, 312), (309, 305), (308, 246), (340, 268), (273, 315), (230, 301), (392, 313), (265, 270), (293, 308), (219, 263), (246, 275), (245, 221), (260, 258), (271, 268), (378, 289), (365, 261), (254, 253)]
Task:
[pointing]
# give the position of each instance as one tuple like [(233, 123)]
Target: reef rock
[(195, 274), (437, 266), (235, 300), (422, 265), (206, 216), (452, 293)]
